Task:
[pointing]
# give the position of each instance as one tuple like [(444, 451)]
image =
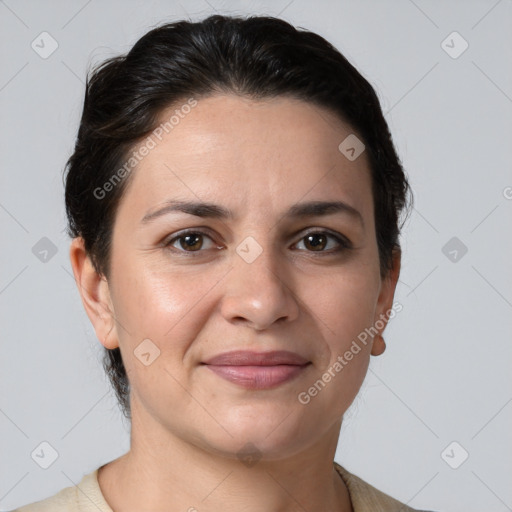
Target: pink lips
[(257, 370)]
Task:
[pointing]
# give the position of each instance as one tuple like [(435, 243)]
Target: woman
[(234, 200)]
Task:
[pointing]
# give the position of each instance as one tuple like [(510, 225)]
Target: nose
[(258, 293)]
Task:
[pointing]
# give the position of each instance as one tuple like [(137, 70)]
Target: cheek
[(345, 301), (345, 310), (167, 307)]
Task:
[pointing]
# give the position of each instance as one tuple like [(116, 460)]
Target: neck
[(163, 472)]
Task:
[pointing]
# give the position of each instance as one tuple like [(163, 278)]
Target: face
[(261, 269)]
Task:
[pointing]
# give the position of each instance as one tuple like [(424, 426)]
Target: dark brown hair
[(258, 57)]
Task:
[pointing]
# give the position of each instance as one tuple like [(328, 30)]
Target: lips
[(257, 370), (247, 358)]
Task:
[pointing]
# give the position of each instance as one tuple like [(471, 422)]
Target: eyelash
[(344, 243)]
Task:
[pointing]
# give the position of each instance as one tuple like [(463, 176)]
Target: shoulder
[(366, 498), (64, 500), (84, 497)]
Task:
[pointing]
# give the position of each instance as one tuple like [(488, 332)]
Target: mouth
[(257, 370)]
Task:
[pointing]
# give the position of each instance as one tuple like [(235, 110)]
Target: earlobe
[(95, 294), (378, 346), (385, 303)]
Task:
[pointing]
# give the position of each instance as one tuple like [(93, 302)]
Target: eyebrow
[(214, 211)]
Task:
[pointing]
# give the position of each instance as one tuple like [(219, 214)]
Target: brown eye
[(316, 242), (320, 241), (191, 241)]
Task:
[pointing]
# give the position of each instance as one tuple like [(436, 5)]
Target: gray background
[(446, 373)]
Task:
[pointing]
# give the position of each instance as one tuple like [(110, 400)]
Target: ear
[(385, 302), (95, 294)]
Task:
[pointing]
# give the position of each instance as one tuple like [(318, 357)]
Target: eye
[(190, 241), (318, 241)]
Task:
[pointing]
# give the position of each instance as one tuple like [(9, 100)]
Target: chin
[(250, 448), (270, 434)]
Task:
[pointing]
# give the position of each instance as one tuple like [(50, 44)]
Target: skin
[(257, 158)]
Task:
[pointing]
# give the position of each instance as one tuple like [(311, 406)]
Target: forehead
[(248, 151)]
